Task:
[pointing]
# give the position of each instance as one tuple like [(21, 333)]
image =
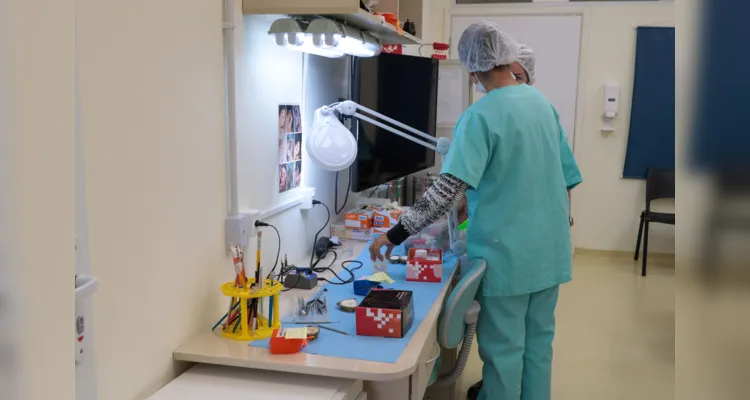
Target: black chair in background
[(659, 185)]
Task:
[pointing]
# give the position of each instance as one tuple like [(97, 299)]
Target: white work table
[(405, 379)]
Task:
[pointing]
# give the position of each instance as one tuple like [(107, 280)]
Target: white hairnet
[(484, 46), (527, 59)]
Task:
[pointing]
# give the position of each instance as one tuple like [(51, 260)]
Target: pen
[(331, 329)]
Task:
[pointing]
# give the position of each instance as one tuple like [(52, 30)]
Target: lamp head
[(330, 145)]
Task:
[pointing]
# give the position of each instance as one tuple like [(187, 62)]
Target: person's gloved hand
[(378, 244)]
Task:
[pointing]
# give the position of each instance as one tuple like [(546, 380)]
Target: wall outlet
[(239, 228), (307, 197)]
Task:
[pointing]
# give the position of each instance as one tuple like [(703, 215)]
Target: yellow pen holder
[(265, 327)]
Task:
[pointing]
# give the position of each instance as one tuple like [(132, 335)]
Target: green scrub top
[(510, 148)]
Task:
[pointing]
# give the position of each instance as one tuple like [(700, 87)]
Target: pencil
[(331, 329), (239, 320), (257, 261), (270, 311), (251, 316), (231, 303), (226, 315), (258, 283)]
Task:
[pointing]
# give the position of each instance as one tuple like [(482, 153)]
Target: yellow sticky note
[(295, 333), (380, 277)]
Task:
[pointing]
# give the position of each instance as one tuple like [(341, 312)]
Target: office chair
[(659, 185), (458, 321)]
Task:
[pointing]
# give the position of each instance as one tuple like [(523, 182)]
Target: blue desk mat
[(370, 348)]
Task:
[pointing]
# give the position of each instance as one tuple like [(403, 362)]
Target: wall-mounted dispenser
[(611, 104)]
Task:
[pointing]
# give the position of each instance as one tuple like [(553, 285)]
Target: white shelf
[(347, 11), (387, 33)]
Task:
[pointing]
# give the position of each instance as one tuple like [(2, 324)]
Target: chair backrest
[(659, 185), (452, 325)]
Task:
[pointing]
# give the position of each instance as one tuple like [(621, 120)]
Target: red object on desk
[(385, 312), (282, 345), (425, 269)]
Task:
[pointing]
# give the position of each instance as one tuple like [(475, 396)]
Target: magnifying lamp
[(331, 146)]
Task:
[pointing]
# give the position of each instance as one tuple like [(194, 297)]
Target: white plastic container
[(379, 266)]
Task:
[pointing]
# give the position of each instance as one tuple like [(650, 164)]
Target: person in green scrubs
[(506, 158), (524, 71)]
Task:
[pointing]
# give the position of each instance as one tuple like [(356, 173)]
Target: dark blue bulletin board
[(651, 136)]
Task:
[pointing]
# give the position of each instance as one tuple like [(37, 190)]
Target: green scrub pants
[(515, 343)]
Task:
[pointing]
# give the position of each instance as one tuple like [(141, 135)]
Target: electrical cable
[(318, 270), (350, 271), (349, 184), (315, 241), (278, 249), (336, 193), (373, 191)]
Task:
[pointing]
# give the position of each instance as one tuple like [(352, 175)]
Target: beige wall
[(606, 207), (152, 87), (153, 116), (37, 263)]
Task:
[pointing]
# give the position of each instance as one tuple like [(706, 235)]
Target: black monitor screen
[(403, 88)]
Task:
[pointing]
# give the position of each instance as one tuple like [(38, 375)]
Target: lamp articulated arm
[(439, 145)]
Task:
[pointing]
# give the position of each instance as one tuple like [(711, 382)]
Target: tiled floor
[(615, 332)]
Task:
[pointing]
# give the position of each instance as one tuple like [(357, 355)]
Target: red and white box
[(424, 265), (385, 312)]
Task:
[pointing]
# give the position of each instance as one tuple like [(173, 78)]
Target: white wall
[(37, 264), (267, 76), (605, 207), (152, 93)]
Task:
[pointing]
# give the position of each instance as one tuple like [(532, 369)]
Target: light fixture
[(290, 33), (331, 146), (328, 34)]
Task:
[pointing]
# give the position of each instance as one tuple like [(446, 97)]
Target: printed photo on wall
[(297, 173), (282, 150), (290, 147), (297, 146), (282, 120), (282, 178), (296, 119)]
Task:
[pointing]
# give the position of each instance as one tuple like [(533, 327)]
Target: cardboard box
[(386, 218), (428, 268), (358, 218), (342, 232), (385, 312)]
